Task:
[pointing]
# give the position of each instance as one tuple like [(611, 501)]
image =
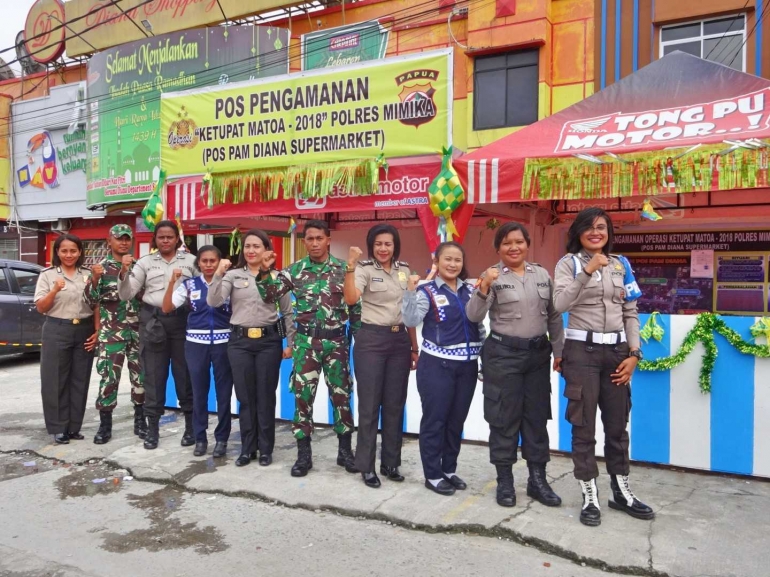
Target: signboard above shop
[(44, 31), (662, 242), (103, 24), (124, 88), (344, 45), (396, 107)]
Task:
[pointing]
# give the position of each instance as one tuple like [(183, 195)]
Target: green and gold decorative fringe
[(645, 173), (703, 332), (651, 329), (357, 177)]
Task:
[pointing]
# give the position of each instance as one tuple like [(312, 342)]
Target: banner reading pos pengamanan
[(397, 107)]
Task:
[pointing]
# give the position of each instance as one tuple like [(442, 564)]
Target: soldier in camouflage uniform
[(321, 342), (118, 336)]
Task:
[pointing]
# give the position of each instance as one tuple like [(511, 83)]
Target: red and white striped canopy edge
[(483, 176)]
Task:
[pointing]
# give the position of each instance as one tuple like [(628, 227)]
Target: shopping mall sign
[(124, 87), (106, 23), (396, 107), (344, 45), (44, 31), (735, 118)]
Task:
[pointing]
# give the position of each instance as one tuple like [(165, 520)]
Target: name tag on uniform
[(195, 295), (375, 279), (441, 301)]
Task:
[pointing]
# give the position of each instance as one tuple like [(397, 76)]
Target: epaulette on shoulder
[(48, 268), (403, 263), (367, 262), (84, 267), (537, 264)]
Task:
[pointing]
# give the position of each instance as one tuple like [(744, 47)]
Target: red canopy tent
[(620, 141)]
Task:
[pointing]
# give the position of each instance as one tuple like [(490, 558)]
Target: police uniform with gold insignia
[(65, 365), (516, 363), (382, 359), (255, 351), (161, 337)]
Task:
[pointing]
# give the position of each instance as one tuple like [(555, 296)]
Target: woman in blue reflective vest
[(448, 366), (208, 332)]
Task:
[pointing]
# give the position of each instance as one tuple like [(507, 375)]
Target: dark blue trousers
[(200, 359), (446, 390)]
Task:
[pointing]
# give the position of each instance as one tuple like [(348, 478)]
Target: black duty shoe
[(538, 487), (75, 436), (371, 480), (591, 513), (188, 438), (624, 500), (104, 434), (391, 473), (506, 494), (456, 482), (265, 460), (61, 439), (444, 487), (345, 456), (151, 439), (200, 448), (304, 458), (242, 461), (220, 449), (140, 422)]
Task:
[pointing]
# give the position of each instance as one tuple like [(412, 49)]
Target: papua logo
[(183, 132), (417, 106), (589, 126)]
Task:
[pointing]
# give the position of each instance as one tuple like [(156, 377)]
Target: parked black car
[(20, 323)]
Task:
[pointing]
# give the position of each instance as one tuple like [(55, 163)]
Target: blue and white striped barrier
[(672, 422)]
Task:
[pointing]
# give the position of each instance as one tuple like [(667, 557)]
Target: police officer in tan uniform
[(69, 339), (384, 352), (516, 362), (161, 335), (600, 355), (255, 348)]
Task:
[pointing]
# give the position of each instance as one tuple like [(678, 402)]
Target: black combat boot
[(140, 422), (104, 433), (591, 513), (538, 487), (624, 500), (304, 458), (506, 494), (187, 438), (151, 440), (345, 456)]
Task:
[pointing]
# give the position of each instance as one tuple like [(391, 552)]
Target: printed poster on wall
[(344, 45), (702, 264), (124, 88), (396, 107), (668, 286)]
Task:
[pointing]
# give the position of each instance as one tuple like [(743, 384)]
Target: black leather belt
[(254, 332), (321, 333), (159, 311), (519, 343), (86, 320), (384, 328)]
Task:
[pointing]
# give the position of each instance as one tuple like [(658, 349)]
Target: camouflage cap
[(121, 230)]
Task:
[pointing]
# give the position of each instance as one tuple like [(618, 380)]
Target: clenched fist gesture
[(268, 260), (176, 274), (59, 284), (354, 254), (489, 277), (599, 260), (128, 260), (414, 280), (224, 266), (96, 272)]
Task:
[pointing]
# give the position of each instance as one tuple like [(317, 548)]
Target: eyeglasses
[(598, 228)]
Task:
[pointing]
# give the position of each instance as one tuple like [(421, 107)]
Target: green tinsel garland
[(703, 331)]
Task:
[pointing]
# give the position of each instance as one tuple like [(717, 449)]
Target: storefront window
[(9, 248), (505, 90), (721, 40)]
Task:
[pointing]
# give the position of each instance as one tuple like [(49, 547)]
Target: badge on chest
[(441, 301), (195, 295)]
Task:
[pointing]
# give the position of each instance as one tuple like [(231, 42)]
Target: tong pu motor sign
[(735, 118)]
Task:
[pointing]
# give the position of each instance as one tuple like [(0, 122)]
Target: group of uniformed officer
[(333, 301)]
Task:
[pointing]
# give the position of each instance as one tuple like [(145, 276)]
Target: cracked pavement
[(204, 514)]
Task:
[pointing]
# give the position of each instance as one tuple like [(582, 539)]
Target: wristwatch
[(637, 353)]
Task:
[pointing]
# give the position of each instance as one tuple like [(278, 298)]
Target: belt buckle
[(608, 339), (254, 333), (75, 321), (395, 329)]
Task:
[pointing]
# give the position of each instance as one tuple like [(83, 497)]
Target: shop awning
[(635, 137)]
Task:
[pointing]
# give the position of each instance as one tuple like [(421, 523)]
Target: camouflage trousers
[(109, 365), (333, 358)]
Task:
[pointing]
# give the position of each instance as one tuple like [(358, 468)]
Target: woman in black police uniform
[(600, 355), (385, 350), (69, 339)]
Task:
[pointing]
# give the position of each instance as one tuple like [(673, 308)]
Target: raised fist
[(97, 271), (224, 266), (59, 284), (176, 275), (268, 260), (599, 260), (414, 279), (128, 260), (489, 277), (353, 255)]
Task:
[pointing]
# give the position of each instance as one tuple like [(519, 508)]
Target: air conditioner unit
[(61, 225)]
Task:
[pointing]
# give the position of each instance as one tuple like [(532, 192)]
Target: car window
[(4, 288), (27, 280)]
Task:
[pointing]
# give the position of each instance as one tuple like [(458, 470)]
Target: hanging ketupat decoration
[(152, 213), (445, 195)]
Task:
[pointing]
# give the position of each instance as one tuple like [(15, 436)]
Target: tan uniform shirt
[(520, 306), (249, 310), (381, 293), (152, 273), (70, 302), (596, 302)]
